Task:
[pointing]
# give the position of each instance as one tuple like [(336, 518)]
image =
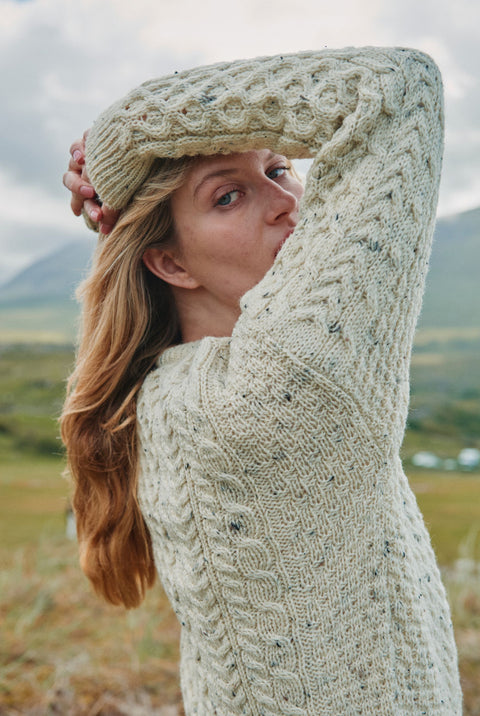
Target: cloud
[(29, 205), (71, 59), (220, 31), (22, 244), (34, 223), (449, 32)]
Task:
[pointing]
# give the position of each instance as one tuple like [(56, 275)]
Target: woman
[(243, 374)]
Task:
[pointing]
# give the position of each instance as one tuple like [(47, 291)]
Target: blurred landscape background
[(65, 652), (62, 651)]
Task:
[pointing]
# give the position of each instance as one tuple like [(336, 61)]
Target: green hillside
[(452, 296), (38, 304), (52, 278)]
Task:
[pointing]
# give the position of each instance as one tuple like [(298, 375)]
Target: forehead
[(223, 162)]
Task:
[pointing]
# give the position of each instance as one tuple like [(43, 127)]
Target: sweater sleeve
[(345, 291), (344, 295)]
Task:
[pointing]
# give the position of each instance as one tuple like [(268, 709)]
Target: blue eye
[(227, 199), (277, 172)]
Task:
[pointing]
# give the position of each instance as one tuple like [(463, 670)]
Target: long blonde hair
[(128, 318)]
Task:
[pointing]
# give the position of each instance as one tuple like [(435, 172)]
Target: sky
[(63, 61)]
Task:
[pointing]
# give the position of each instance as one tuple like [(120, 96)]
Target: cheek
[(227, 236), (206, 246)]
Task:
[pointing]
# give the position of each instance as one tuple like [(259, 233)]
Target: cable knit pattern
[(284, 530)]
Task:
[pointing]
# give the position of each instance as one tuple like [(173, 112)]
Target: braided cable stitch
[(284, 530)]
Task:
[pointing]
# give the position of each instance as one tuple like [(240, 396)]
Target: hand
[(83, 193)]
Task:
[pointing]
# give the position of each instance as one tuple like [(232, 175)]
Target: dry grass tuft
[(463, 586), (62, 651)]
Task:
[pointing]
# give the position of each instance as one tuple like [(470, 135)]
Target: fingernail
[(77, 155), (94, 215), (87, 191), (105, 228)]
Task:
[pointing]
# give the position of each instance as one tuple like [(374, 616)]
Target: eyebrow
[(223, 173)]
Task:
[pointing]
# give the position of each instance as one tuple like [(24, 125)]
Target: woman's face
[(231, 216)]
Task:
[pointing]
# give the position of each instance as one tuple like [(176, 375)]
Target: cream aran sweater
[(284, 530)]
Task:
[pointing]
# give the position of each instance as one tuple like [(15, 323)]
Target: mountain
[(38, 304), (452, 296), (39, 301), (52, 278)]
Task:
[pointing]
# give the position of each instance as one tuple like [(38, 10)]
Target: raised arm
[(344, 294), (292, 104)]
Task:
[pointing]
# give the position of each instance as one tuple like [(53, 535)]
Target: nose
[(280, 204)]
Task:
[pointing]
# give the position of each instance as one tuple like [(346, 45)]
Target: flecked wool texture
[(284, 530)]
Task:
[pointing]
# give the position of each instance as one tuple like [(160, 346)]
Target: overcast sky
[(63, 61)]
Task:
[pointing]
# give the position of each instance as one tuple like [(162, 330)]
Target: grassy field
[(44, 323), (64, 652)]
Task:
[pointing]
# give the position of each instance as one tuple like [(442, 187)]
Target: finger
[(79, 203), (109, 219), (76, 204), (77, 185), (93, 210), (77, 151), (75, 166), (109, 216)]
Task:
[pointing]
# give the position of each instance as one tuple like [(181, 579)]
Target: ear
[(164, 264)]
